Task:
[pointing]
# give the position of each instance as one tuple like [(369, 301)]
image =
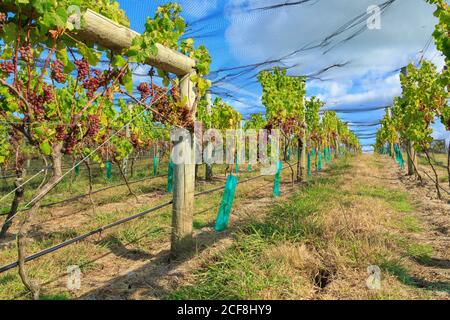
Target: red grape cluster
[(37, 101), (37, 104), (58, 72), (3, 18), (160, 104), (185, 119), (288, 125), (83, 69), (134, 140), (7, 67), (48, 93), (61, 132), (71, 140), (144, 89), (26, 54), (93, 125), (94, 83)]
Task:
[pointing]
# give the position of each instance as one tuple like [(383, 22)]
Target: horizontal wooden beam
[(111, 35)]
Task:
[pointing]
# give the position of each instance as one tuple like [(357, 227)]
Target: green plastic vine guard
[(237, 165), (155, 166), (289, 153), (399, 156), (319, 161), (109, 170), (250, 168), (77, 170), (276, 185), (170, 177), (309, 164), (227, 202)]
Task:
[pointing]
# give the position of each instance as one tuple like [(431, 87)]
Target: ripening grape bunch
[(93, 122), (57, 72), (7, 67), (83, 69), (144, 89), (26, 53)]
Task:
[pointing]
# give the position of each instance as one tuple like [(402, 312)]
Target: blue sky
[(239, 33)]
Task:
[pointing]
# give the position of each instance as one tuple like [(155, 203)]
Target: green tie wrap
[(109, 170), (398, 156), (319, 162), (77, 170), (170, 177), (227, 202), (276, 185), (309, 164), (155, 166)]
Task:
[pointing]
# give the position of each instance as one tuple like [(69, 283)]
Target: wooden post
[(184, 185), (411, 154), (302, 159), (209, 167)]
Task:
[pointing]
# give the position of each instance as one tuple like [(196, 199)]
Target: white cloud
[(406, 28)]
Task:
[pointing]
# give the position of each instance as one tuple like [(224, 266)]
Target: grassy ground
[(131, 244), (72, 185), (315, 242), (319, 244)]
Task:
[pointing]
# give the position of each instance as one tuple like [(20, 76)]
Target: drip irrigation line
[(106, 227), (100, 190), (20, 186), (92, 193), (147, 157), (84, 236)]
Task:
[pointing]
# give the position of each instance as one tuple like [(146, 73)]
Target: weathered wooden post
[(302, 157), (411, 154), (209, 168), (184, 183)]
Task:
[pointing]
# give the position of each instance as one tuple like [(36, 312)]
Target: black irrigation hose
[(100, 190), (48, 205), (34, 170), (109, 226), (84, 236)]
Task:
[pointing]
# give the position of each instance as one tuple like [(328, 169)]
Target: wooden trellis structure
[(113, 36)]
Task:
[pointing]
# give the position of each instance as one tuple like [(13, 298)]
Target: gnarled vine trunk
[(209, 172), (24, 225), (436, 182), (18, 196)]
